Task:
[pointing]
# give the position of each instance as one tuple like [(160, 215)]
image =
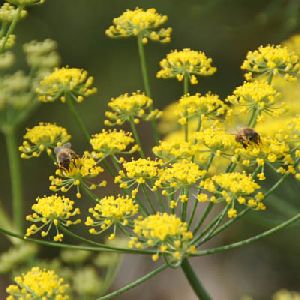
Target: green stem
[(137, 138), (15, 178), (144, 66), (148, 198), (209, 230), (146, 83), (194, 281), (11, 27), (253, 118), (77, 117), (252, 239), (134, 283), (103, 248), (207, 210), (185, 84), (185, 91), (210, 160)]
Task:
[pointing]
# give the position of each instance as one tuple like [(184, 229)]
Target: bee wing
[(66, 146)]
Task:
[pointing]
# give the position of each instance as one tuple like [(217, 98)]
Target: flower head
[(8, 13), (181, 174), (38, 284), (174, 149), (111, 211), (51, 211), (43, 137), (142, 23), (215, 140), (256, 96), (186, 62), (232, 188), (60, 82), (111, 142), (15, 94), (208, 106), (130, 108), (137, 172), (80, 170), (165, 233), (271, 60), (42, 55)]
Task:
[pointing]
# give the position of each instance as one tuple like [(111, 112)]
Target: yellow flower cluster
[(111, 211), (137, 172), (51, 211), (271, 60), (65, 82), (256, 96), (144, 24), (181, 174), (9, 43), (130, 108), (112, 142), (80, 170), (174, 149), (215, 140), (232, 187), (286, 295), (186, 62), (38, 283), (208, 106), (164, 232), (43, 137), (8, 13)]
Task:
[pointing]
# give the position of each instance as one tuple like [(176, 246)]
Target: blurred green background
[(225, 30)]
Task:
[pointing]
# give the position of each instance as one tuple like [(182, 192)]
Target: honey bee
[(64, 156), (246, 136)]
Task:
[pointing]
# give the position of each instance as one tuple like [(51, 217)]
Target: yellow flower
[(181, 174), (174, 149), (286, 295), (111, 142), (215, 140), (130, 108), (38, 283), (271, 60), (43, 137), (232, 188), (137, 172), (111, 211), (165, 233), (8, 13), (42, 56), (144, 24), (197, 106), (186, 62), (256, 97), (52, 211), (80, 170), (63, 82)]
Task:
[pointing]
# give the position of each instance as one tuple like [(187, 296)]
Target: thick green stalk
[(252, 239), (146, 82), (133, 284), (194, 281), (11, 27), (77, 117), (15, 178)]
